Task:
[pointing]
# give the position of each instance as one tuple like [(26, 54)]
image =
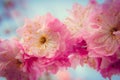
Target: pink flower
[(94, 62), (104, 21), (10, 62), (47, 44), (109, 68), (76, 20), (75, 23), (45, 36), (79, 53), (36, 66), (80, 47)]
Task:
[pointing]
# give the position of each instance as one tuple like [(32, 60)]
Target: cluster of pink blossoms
[(90, 35)]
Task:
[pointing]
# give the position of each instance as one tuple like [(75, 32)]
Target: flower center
[(113, 30), (18, 63), (43, 40)]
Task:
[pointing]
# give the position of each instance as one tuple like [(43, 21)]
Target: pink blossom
[(77, 18), (79, 53), (78, 59), (10, 62), (45, 36), (47, 44), (109, 68), (75, 23), (80, 47), (104, 21), (94, 62), (36, 66)]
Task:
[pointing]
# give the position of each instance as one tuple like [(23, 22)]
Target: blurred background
[(13, 13)]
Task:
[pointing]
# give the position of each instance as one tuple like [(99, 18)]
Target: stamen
[(113, 30), (42, 39)]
